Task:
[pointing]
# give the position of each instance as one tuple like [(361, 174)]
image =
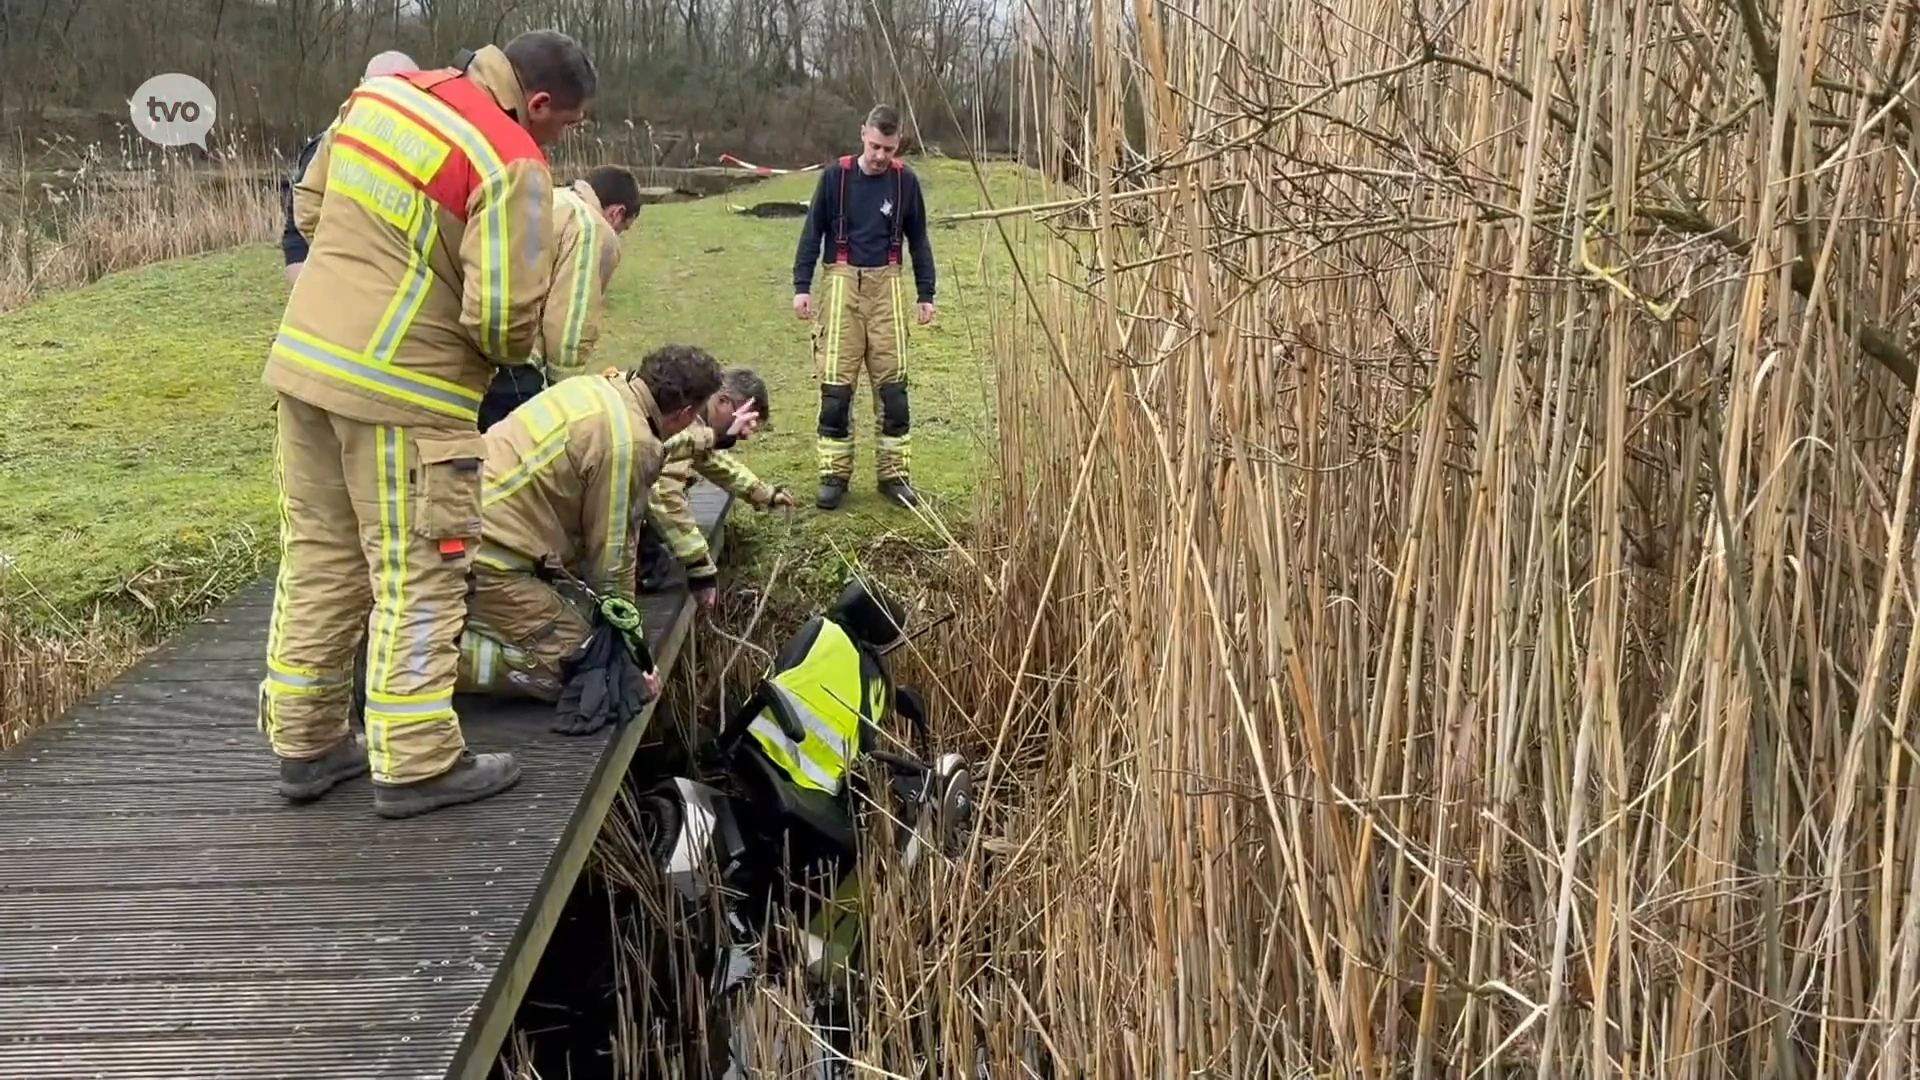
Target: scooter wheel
[(659, 820)]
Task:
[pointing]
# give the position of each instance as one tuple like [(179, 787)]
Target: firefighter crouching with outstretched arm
[(589, 217), (862, 208), (428, 205), (567, 477), (733, 414)]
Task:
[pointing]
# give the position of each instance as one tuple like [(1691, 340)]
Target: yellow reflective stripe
[(836, 305), (727, 471), (492, 223), (369, 182), (681, 531), (383, 719), (297, 674), (277, 626), (412, 146), (828, 747), (502, 558), (586, 259), (798, 766), (410, 705), (581, 398), (620, 489), (835, 728), (388, 380), (542, 454), (303, 683), (899, 324), (488, 658), (390, 483), (412, 294)]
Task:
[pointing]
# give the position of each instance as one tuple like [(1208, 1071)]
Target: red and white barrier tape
[(765, 170)]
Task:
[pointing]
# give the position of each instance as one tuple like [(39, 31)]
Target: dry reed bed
[(43, 675), (109, 208), (1449, 601)]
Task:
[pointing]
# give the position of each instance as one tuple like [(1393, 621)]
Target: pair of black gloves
[(605, 682)]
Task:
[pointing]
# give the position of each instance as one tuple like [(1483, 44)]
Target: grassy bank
[(135, 434)]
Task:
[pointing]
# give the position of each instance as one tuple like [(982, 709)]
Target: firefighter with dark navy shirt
[(866, 208)]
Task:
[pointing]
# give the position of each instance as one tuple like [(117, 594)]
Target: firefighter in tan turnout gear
[(863, 207), (732, 415), (567, 476), (589, 217), (429, 208)]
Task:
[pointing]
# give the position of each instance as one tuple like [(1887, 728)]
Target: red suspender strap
[(842, 253), (893, 227), (899, 212)]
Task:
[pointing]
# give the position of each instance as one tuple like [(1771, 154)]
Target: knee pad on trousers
[(836, 410), (894, 418)]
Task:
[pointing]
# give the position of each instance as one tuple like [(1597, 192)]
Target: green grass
[(134, 438), (703, 274), (135, 432)]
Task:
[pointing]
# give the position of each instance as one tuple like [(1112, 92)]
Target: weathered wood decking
[(164, 914)]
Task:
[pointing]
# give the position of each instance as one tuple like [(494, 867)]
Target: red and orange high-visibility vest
[(453, 183)]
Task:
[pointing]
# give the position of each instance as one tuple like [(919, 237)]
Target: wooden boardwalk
[(164, 914)]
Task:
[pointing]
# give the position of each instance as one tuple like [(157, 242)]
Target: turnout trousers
[(863, 327), (520, 631), (378, 525)]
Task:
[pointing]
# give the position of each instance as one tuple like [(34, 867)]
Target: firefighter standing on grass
[(429, 207), (863, 208)]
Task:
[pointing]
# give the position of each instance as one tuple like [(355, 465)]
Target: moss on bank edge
[(134, 439), (135, 434)]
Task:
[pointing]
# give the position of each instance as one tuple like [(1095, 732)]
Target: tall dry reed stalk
[(1453, 579), (71, 215), (44, 674)]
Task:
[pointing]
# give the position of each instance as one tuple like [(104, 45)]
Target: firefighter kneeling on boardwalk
[(566, 476)]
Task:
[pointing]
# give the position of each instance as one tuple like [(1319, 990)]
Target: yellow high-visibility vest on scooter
[(824, 699)]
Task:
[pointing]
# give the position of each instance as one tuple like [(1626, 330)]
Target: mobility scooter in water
[(776, 813)]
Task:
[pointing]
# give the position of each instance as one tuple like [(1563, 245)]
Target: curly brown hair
[(678, 376)]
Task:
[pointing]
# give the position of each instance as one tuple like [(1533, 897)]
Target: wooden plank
[(163, 913)]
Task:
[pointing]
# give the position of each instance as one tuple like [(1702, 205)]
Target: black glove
[(603, 685)]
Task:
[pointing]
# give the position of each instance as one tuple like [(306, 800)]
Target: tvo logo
[(173, 109)]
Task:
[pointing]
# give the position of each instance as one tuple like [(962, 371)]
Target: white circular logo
[(173, 110)]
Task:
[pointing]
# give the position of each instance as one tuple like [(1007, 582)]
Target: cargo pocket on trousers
[(447, 492)]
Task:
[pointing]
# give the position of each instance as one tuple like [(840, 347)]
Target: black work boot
[(472, 778), (900, 491), (832, 490), (303, 780)]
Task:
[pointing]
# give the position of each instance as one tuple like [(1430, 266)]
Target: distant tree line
[(774, 81)]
